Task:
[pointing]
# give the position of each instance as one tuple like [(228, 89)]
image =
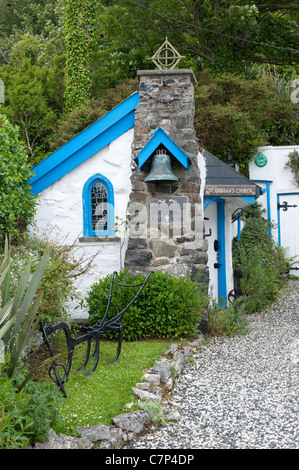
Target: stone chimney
[(166, 100)]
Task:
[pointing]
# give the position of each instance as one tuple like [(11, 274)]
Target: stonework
[(166, 100)]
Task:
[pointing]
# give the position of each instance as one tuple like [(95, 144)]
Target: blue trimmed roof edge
[(160, 136), (84, 145)]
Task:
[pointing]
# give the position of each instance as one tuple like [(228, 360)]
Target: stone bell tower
[(166, 230)]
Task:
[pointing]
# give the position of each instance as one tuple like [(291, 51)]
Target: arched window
[(98, 207)]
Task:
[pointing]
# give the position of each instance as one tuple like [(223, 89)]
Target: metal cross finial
[(166, 57)]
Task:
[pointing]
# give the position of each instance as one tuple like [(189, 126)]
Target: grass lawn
[(98, 398)]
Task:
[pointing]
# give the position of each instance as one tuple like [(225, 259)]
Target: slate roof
[(219, 173)]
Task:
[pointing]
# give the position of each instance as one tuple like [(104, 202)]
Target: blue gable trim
[(84, 145), (160, 136)]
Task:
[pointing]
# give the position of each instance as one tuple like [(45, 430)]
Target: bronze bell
[(161, 171)]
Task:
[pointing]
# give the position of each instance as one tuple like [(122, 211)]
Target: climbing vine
[(293, 164), (80, 27)]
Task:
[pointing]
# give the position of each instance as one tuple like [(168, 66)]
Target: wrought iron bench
[(95, 333)]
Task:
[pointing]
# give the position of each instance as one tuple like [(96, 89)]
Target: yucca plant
[(19, 315)]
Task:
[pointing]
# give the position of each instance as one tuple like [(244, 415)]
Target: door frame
[(222, 287), (221, 271), (278, 212)]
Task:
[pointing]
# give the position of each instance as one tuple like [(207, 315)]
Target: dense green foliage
[(168, 307), (262, 264), (17, 206), (76, 121), (27, 415), (59, 59), (224, 35), (242, 113)]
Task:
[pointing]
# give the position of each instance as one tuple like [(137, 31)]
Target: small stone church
[(135, 189)]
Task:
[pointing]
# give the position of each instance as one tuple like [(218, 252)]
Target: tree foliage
[(242, 113), (225, 35), (59, 58), (17, 206), (28, 96)]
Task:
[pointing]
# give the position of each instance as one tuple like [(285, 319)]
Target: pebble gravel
[(242, 393)]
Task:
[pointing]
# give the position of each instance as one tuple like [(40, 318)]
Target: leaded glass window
[(99, 208)]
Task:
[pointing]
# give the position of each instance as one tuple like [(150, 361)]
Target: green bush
[(42, 409), (262, 264), (168, 307), (57, 283), (14, 421), (27, 415), (227, 321)]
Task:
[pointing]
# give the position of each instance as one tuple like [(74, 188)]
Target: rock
[(179, 362), (143, 394), (162, 368), (187, 352), (172, 349), (95, 433), (197, 342), (172, 416), (116, 440), (129, 405), (144, 386), (153, 379), (132, 422), (103, 437), (169, 384), (63, 442)]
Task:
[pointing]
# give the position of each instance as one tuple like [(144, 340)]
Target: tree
[(80, 26), (224, 35), (242, 113), (17, 205), (43, 19), (27, 99)]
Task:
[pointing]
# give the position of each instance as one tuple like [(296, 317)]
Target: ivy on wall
[(80, 27)]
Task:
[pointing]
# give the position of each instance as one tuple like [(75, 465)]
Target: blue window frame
[(98, 207)]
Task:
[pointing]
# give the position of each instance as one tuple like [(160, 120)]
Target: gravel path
[(243, 391)]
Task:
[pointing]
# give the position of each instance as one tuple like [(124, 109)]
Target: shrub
[(14, 421), (262, 264), (42, 409), (27, 415), (168, 307), (58, 281), (227, 321)]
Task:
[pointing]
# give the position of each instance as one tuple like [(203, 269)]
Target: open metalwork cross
[(166, 57)]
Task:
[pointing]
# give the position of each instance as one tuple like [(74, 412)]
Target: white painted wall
[(275, 171), (60, 211)]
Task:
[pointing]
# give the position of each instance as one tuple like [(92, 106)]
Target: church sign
[(230, 190)]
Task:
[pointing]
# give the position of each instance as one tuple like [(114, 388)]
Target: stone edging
[(156, 387)]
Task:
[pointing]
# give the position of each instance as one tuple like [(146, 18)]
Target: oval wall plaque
[(261, 160)]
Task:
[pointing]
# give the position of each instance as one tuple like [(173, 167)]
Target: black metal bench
[(95, 333)]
